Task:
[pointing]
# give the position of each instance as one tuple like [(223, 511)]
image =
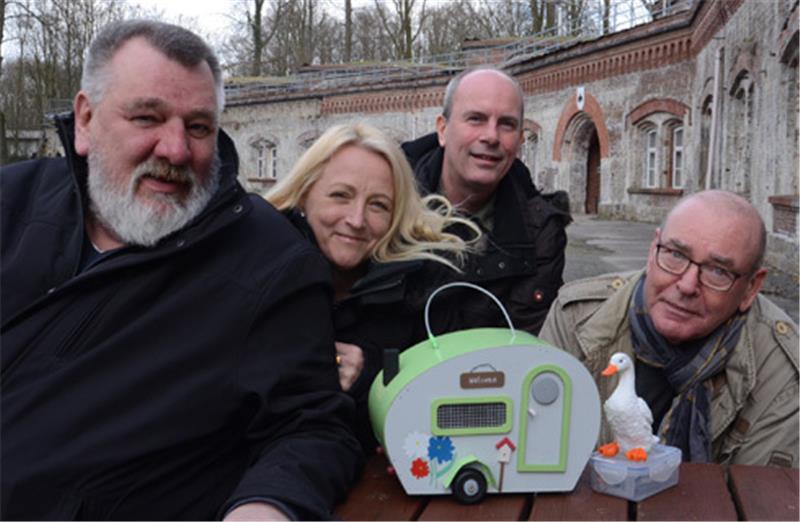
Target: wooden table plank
[(765, 493), (379, 495), (493, 507), (581, 504), (701, 494)]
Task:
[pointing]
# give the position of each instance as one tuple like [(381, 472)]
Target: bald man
[(716, 361), (471, 159)]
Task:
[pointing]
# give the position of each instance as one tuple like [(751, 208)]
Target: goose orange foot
[(609, 450), (637, 455)]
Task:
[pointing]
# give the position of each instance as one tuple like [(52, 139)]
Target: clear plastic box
[(636, 480)]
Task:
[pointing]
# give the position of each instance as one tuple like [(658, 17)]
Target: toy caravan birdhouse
[(487, 410)]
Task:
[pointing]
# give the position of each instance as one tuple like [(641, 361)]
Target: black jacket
[(383, 311), (166, 382), (523, 260)]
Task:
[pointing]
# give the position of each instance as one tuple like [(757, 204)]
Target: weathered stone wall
[(759, 111)]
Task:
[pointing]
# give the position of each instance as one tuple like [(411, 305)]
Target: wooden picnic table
[(703, 492)]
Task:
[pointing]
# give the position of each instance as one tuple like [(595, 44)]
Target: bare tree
[(370, 40), (260, 34), (2, 31), (348, 30), (606, 16), (254, 24), (500, 18), (3, 146), (297, 32), (43, 74), (245, 47), (448, 25), (403, 24), (573, 11), (543, 16)]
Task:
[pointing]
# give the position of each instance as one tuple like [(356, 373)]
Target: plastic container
[(636, 480)]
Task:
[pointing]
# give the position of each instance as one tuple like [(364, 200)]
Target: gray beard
[(145, 223)]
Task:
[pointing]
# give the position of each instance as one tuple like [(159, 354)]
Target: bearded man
[(158, 361)]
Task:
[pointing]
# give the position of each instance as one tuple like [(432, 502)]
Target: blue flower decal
[(440, 448)]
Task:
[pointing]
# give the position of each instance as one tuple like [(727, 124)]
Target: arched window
[(705, 140), (738, 147), (650, 157), (677, 157), (674, 157), (266, 160)]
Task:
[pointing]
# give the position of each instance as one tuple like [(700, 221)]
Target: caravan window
[(473, 416)]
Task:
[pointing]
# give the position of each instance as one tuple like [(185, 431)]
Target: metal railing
[(623, 16)]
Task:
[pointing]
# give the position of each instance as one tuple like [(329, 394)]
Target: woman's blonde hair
[(417, 226)]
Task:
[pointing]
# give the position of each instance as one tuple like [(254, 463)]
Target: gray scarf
[(687, 424)]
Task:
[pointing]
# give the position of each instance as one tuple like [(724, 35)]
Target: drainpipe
[(716, 121)]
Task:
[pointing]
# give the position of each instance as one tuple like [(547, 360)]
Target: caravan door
[(544, 420)]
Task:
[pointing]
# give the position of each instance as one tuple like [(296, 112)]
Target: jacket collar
[(513, 193)]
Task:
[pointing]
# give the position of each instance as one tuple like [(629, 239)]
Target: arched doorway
[(582, 155), (593, 175), (581, 142)]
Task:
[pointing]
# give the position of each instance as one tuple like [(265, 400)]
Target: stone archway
[(581, 141), (581, 157)]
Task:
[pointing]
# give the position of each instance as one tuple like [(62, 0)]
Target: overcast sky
[(212, 17)]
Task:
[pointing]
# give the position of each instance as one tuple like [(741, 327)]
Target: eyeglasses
[(712, 276)]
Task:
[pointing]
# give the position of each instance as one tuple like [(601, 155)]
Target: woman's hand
[(350, 360)]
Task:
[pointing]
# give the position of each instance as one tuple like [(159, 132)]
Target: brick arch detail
[(595, 113), (668, 105), (530, 125)]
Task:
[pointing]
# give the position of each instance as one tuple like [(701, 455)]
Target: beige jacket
[(754, 408)]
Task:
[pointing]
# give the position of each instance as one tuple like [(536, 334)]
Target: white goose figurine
[(628, 415)]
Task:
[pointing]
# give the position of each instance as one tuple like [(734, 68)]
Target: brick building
[(626, 123)]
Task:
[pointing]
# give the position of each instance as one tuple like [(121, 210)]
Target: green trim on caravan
[(565, 416), (505, 427)]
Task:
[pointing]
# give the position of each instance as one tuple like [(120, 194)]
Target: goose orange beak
[(610, 370)]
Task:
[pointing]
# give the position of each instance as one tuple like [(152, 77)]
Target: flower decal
[(419, 468), (441, 449), (416, 445)]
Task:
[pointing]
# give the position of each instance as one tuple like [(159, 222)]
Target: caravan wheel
[(469, 486)]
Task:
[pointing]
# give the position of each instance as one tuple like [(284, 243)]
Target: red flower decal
[(419, 468)]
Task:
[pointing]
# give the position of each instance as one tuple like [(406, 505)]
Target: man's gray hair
[(452, 87), (175, 42)]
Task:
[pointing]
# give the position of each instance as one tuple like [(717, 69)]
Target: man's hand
[(256, 511), (350, 359)]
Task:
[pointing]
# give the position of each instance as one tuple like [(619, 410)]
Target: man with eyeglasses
[(716, 361)]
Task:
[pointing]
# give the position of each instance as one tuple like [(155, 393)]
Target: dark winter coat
[(167, 382), (523, 260), (383, 311)]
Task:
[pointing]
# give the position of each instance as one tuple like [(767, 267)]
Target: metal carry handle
[(432, 338)]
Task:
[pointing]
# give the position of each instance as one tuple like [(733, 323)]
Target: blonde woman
[(354, 195)]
